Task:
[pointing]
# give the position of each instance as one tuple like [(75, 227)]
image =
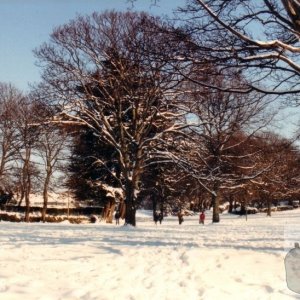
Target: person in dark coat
[(156, 217), (160, 217), (117, 217)]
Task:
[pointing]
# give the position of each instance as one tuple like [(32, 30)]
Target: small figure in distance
[(202, 217), (156, 217), (160, 217), (180, 217), (117, 217)]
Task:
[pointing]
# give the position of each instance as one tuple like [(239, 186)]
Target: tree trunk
[(106, 211), (21, 196), (154, 203), (27, 210), (162, 211), (130, 204), (230, 209), (45, 196), (44, 209), (110, 208), (2, 164), (215, 204), (268, 207), (122, 209), (235, 205), (27, 183)]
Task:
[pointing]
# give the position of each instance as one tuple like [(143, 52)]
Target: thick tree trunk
[(215, 205), (130, 204), (110, 208)]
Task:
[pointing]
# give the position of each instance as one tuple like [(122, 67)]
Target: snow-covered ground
[(234, 259), (54, 200)]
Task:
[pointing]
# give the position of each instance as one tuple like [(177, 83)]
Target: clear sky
[(26, 24)]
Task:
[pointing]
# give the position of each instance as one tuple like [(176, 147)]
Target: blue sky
[(26, 24)]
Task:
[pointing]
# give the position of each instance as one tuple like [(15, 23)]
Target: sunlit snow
[(235, 259)]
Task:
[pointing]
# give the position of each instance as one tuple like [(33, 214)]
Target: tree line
[(143, 111)]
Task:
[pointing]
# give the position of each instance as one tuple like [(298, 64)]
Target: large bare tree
[(101, 75)]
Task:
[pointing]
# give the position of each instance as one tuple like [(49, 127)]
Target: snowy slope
[(231, 260)]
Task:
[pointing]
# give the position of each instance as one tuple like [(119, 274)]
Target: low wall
[(55, 211)]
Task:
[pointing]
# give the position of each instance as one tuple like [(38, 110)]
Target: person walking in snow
[(202, 217), (156, 217), (117, 217), (180, 217), (160, 217)]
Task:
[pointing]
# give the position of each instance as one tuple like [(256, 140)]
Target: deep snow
[(235, 259)]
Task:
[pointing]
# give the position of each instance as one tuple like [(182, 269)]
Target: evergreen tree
[(87, 171)]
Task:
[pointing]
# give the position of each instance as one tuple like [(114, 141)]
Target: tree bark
[(268, 207), (216, 211), (22, 194), (27, 200), (45, 196), (230, 209), (130, 204), (27, 184), (110, 208), (122, 209)]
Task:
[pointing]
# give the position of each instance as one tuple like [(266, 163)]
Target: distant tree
[(51, 146), (281, 181), (28, 135), (10, 98), (218, 156), (156, 188)]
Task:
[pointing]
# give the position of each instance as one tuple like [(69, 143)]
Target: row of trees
[(30, 150), (152, 114)]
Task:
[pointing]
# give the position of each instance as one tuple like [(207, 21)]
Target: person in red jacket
[(202, 218)]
